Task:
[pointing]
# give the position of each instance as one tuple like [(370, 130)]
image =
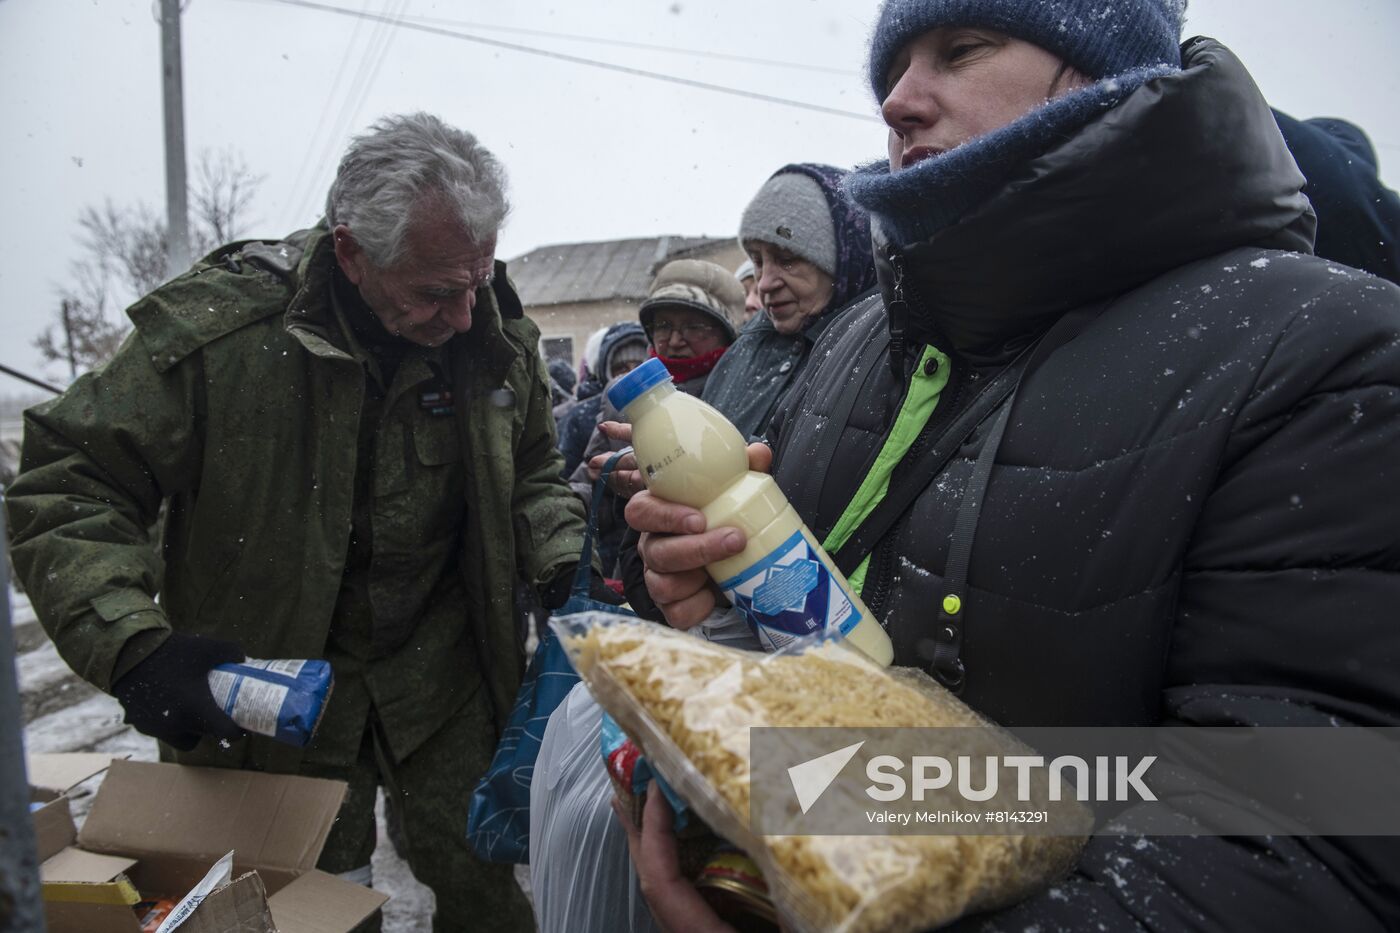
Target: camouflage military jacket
[(230, 404)]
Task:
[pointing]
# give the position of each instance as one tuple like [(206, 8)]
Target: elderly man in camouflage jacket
[(351, 431)]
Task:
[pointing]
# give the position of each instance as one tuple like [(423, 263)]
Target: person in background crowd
[(623, 346), (1358, 218), (753, 304), (1160, 515), (689, 317), (349, 433), (561, 382), (810, 249), (585, 385)]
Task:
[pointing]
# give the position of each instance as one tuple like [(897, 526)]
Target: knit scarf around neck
[(924, 199), (693, 367)]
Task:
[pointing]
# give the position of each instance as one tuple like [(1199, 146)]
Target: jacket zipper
[(885, 558), (897, 313), (949, 406)]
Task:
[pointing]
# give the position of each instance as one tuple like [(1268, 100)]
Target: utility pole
[(176, 197)]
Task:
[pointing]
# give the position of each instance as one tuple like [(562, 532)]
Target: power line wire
[(630, 44), (314, 144), (376, 50), (578, 60)]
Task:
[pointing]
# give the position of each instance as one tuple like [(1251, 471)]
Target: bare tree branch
[(123, 256), (222, 194)]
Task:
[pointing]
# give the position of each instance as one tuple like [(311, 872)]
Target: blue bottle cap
[(626, 390)]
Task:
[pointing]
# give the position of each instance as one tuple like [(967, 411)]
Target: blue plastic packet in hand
[(280, 699), (631, 773)]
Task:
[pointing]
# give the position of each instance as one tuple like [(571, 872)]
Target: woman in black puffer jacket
[(1186, 428)]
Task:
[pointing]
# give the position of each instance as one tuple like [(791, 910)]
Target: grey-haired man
[(351, 431)]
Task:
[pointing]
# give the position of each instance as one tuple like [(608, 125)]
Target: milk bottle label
[(790, 594)]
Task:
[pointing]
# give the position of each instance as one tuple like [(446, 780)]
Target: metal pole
[(21, 902), (176, 196), (29, 379)]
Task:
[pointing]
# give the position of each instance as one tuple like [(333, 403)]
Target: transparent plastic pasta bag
[(692, 705)]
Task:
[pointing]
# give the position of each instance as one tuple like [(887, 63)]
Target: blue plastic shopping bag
[(498, 822)]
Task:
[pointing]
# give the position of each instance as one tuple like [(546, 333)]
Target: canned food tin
[(733, 885)]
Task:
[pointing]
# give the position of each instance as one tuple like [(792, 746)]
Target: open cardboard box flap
[(313, 903), (320, 903), (73, 864), (238, 907), (52, 774), (272, 821), (54, 829)]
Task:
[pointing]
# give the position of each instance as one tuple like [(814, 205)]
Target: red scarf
[(684, 370)]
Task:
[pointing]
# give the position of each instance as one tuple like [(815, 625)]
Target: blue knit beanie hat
[(1119, 44), (1100, 38)]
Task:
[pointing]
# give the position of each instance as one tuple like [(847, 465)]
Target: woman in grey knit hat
[(809, 247)]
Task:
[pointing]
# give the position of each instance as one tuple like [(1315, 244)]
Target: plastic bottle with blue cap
[(783, 581)]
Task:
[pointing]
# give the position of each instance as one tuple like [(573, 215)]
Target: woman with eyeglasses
[(689, 318)]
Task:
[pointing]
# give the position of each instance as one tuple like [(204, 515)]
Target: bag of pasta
[(692, 705)]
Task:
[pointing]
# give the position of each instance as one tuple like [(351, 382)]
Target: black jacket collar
[(1188, 166)]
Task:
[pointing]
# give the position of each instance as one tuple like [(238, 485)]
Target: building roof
[(603, 271)]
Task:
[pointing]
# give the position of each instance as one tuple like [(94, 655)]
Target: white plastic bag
[(581, 876)]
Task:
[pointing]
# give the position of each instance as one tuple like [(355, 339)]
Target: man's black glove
[(556, 592), (166, 695)]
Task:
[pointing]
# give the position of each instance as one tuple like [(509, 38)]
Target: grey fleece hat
[(700, 286), (790, 211)]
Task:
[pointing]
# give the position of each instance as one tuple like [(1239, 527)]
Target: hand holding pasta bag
[(691, 705)]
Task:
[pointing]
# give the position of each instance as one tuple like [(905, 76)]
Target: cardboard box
[(163, 826)]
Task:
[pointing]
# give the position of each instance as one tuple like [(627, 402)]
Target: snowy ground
[(64, 714)]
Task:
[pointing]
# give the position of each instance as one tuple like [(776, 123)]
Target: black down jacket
[(1358, 218), (1192, 516), (749, 382)]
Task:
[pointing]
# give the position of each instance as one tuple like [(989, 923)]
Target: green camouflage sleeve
[(549, 518), (96, 464)]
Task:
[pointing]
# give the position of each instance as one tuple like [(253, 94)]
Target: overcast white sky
[(591, 154)]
